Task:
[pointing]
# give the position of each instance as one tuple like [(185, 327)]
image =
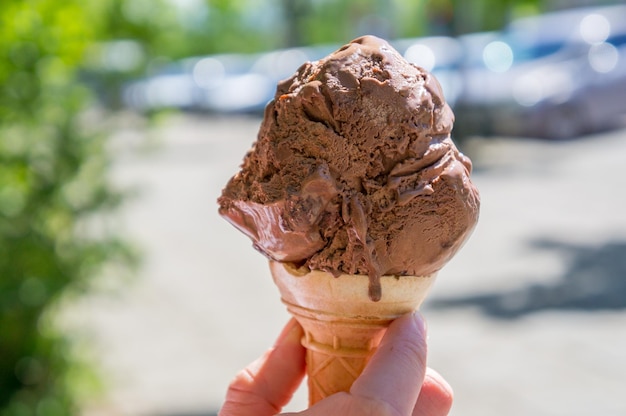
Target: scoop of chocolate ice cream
[(354, 171)]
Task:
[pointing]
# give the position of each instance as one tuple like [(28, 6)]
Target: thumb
[(396, 371)]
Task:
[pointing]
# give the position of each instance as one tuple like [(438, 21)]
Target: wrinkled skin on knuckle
[(411, 354), (241, 394), (352, 405), (372, 407)]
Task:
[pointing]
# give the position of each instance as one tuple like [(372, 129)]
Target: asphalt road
[(528, 319)]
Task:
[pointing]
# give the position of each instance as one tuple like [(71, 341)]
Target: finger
[(396, 371), (267, 384), (435, 397)]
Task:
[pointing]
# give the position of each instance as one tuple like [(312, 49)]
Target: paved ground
[(529, 319)]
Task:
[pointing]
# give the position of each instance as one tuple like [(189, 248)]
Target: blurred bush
[(53, 193)]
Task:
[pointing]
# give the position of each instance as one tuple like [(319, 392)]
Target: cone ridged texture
[(342, 326)]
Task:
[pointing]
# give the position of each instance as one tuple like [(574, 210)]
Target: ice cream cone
[(342, 326)]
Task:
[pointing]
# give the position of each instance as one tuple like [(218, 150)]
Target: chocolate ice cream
[(354, 170)]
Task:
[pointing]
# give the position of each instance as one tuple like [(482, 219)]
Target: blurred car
[(251, 91), (559, 75), (238, 83), (227, 83), (440, 55), (186, 84)]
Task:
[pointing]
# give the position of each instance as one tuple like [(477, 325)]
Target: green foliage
[(226, 25), (52, 188)]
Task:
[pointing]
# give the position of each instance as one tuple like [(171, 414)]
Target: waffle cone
[(342, 326)]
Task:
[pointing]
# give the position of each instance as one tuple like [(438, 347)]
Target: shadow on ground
[(594, 279)]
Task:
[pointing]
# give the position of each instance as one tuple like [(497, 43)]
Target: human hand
[(396, 381)]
